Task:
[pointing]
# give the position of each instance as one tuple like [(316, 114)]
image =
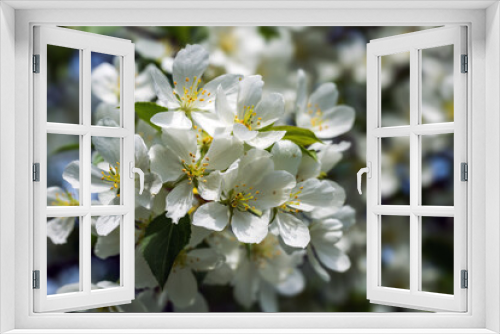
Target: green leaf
[(69, 147), (299, 136), (162, 243), (146, 110), (310, 153), (269, 32)]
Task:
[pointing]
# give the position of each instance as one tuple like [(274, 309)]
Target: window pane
[(395, 171), (437, 254), (105, 89), (395, 251), (395, 89), (105, 257), (63, 171), (63, 255), (437, 170), (105, 169), (63, 85), (437, 84)]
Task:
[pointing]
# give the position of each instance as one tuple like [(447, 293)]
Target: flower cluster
[(255, 193)]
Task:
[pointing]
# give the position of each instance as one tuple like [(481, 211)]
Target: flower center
[(294, 200), (317, 117), (241, 199), (195, 169), (191, 94), (266, 250), (69, 201), (113, 176), (248, 117), (180, 261)]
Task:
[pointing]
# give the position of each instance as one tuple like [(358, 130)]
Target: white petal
[(144, 86), (221, 275), (324, 97), (181, 142), (104, 85), (267, 298), (190, 63), (301, 101), (210, 123), (210, 186), (223, 109), (149, 48), (249, 228), (58, 229), (144, 278), (317, 266), (338, 201), (106, 111), (55, 193), (182, 287), (162, 87), (199, 305), (347, 215), (167, 64), (266, 139), (332, 257), (315, 193), (108, 148), (270, 109), (336, 122), (141, 154), (172, 120), (198, 234), (274, 189), (252, 171), (308, 168), (227, 82), (223, 152), (327, 231), (246, 284), (204, 259), (329, 157), (109, 245), (286, 156), (241, 132), (106, 224), (165, 163), (293, 231), (179, 201), (71, 174), (249, 93), (293, 284), (212, 216)]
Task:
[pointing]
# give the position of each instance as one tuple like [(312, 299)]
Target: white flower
[(59, 228), (308, 195), (236, 49), (181, 285), (325, 233), (266, 270), (329, 154), (105, 175), (253, 112), (250, 187), (180, 160), (320, 112), (105, 83), (188, 94)]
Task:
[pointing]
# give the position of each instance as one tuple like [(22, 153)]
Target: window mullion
[(414, 171)]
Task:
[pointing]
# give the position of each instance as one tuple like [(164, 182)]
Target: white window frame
[(413, 44), (483, 20), (86, 43)]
